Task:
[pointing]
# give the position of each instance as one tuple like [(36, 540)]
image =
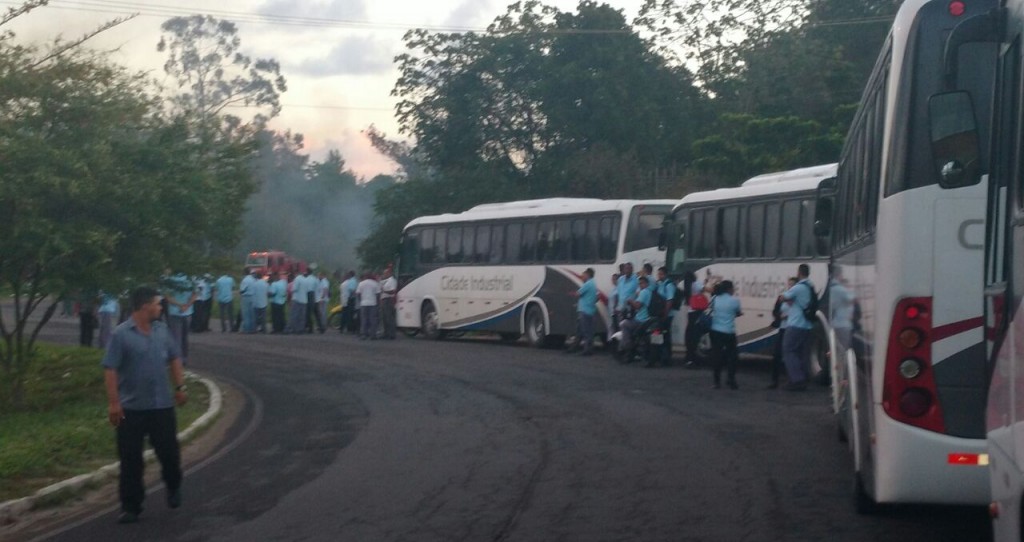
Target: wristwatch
[(181, 388)]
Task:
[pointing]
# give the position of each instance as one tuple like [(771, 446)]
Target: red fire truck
[(274, 261)]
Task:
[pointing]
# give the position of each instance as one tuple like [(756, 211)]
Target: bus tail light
[(910, 395), (957, 8)]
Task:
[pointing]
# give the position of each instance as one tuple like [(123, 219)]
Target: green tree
[(204, 58), (98, 185)]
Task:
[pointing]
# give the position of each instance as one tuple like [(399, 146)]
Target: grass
[(63, 431)]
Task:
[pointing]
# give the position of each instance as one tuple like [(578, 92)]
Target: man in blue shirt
[(667, 290), (278, 293), (181, 298), (798, 330), (108, 313), (586, 311), (630, 328), (225, 288), (201, 318), (246, 293), (626, 290), (260, 300), (724, 310), (136, 366), (348, 302)]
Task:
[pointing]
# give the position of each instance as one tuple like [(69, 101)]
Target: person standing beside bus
[(798, 330), (724, 310), (323, 295), (368, 292), (586, 309), (225, 287), (633, 326), (779, 315), (667, 290), (389, 289), (182, 296), (698, 303), (298, 318), (626, 290)]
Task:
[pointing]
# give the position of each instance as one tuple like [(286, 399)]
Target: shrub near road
[(63, 431)]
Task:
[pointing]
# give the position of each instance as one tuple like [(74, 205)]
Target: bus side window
[(772, 227), (513, 242), (483, 243), (728, 230), (468, 244), (544, 234), (454, 244), (527, 249), (790, 229), (583, 240), (609, 240), (808, 242), (560, 242), (497, 243), (428, 254), (755, 231)]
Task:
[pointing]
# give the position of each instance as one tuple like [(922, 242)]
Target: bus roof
[(795, 180), (537, 207)]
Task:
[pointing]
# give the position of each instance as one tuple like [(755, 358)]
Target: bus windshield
[(645, 226)]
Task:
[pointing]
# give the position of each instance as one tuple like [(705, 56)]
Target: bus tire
[(430, 325), (536, 329), (864, 503)]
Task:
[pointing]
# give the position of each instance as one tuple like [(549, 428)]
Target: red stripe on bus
[(956, 328)]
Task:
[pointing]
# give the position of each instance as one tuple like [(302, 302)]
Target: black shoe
[(128, 517), (174, 498)]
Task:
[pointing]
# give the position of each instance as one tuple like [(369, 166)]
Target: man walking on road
[(245, 291), (348, 302), (586, 308), (368, 292), (136, 366)]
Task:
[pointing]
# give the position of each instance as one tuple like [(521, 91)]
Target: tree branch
[(13, 13), (60, 49)]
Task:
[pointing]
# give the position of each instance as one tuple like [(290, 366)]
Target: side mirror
[(663, 238), (823, 209), (954, 137)]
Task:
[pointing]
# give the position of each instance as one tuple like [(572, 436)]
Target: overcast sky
[(339, 77)]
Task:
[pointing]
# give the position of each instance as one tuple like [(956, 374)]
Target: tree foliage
[(98, 184), (204, 58)]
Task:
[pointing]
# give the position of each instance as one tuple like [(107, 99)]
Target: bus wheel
[(410, 331), (864, 504), (430, 324), (536, 330)]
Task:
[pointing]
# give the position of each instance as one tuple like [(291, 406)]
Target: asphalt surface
[(472, 439)]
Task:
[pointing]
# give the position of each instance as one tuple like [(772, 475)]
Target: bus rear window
[(645, 226)]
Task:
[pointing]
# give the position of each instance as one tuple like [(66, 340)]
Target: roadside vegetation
[(62, 431)]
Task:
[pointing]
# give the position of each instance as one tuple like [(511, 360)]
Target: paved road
[(475, 440)]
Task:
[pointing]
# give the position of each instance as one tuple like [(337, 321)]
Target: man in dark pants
[(141, 354)]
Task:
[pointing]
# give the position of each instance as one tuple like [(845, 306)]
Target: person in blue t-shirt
[(586, 311), (225, 293), (667, 290), (278, 293), (640, 303), (724, 310), (798, 330)]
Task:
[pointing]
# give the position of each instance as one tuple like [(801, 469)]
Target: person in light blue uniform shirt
[(640, 302), (724, 310), (626, 291), (798, 330), (260, 300), (245, 292), (348, 302), (667, 290), (225, 293), (108, 313), (586, 311), (203, 305), (278, 298), (181, 296)]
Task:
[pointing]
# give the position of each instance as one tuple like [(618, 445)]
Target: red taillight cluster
[(957, 8), (909, 394)]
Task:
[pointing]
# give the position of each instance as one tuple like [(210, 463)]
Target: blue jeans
[(794, 353), (248, 315)]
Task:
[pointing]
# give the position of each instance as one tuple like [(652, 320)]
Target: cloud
[(354, 55), (470, 13), (349, 10)]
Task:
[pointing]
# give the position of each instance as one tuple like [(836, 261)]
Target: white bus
[(512, 268), (905, 290), (754, 235), (956, 144)]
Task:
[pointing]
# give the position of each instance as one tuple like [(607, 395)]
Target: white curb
[(10, 510)]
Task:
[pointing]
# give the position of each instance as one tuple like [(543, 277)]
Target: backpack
[(678, 298), (656, 308), (811, 310)]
